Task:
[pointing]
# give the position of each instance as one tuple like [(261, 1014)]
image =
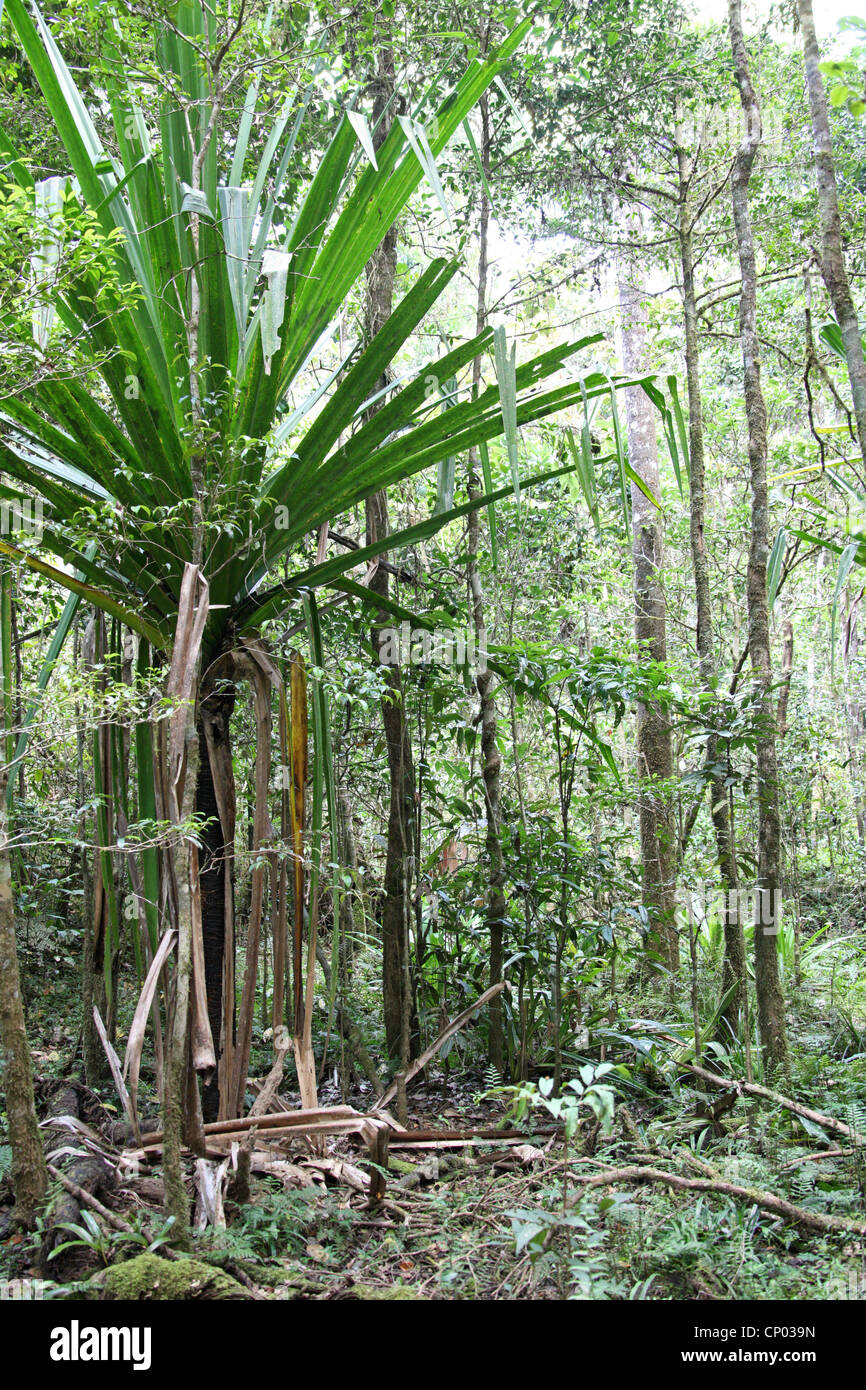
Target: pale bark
[(771, 1008), (654, 754), (179, 767), (787, 672), (854, 714), (832, 252)]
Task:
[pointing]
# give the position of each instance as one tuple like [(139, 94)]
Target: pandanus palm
[(189, 446)]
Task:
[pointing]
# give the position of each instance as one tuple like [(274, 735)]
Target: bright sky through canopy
[(827, 15)]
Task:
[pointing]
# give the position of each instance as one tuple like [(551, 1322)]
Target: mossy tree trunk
[(29, 1173)]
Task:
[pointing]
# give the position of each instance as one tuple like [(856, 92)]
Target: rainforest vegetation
[(432, 650)]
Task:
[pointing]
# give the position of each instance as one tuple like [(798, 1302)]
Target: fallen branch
[(815, 1158), (114, 1067), (750, 1088), (812, 1220), (85, 1198), (472, 1143), (135, 1041), (268, 1093), (424, 1137), (429, 1052), (256, 1083)]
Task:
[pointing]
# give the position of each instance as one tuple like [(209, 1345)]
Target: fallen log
[(89, 1168), (282, 1119), (87, 1199), (333, 1120)]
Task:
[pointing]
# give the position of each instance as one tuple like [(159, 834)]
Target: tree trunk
[(787, 671), (29, 1173), (217, 896), (854, 715), (771, 1008), (93, 977), (734, 981), (654, 755), (491, 761), (399, 857), (832, 254)]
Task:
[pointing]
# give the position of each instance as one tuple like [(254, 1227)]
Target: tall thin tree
[(485, 684), (381, 273), (654, 754), (833, 266), (734, 969), (771, 1005)]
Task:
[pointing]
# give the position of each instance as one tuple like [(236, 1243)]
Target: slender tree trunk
[(351, 908), (771, 1006), (216, 875), (654, 753), (399, 855), (734, 967), (176, 1099), (491, 760), (178, 768), (29, 1173), (787, 671), (832, 253), (93, 976), (854, 715)]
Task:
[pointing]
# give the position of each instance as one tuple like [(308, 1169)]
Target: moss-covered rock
[(148, 1278)]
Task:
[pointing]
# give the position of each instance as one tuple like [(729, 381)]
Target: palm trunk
[(832, 254), (771, 1008), (654, 754), (734, 966)]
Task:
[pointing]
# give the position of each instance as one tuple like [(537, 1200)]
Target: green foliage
[(106, 1244)]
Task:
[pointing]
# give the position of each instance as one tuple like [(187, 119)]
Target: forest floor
[(517, 1219), (490, 1221)]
